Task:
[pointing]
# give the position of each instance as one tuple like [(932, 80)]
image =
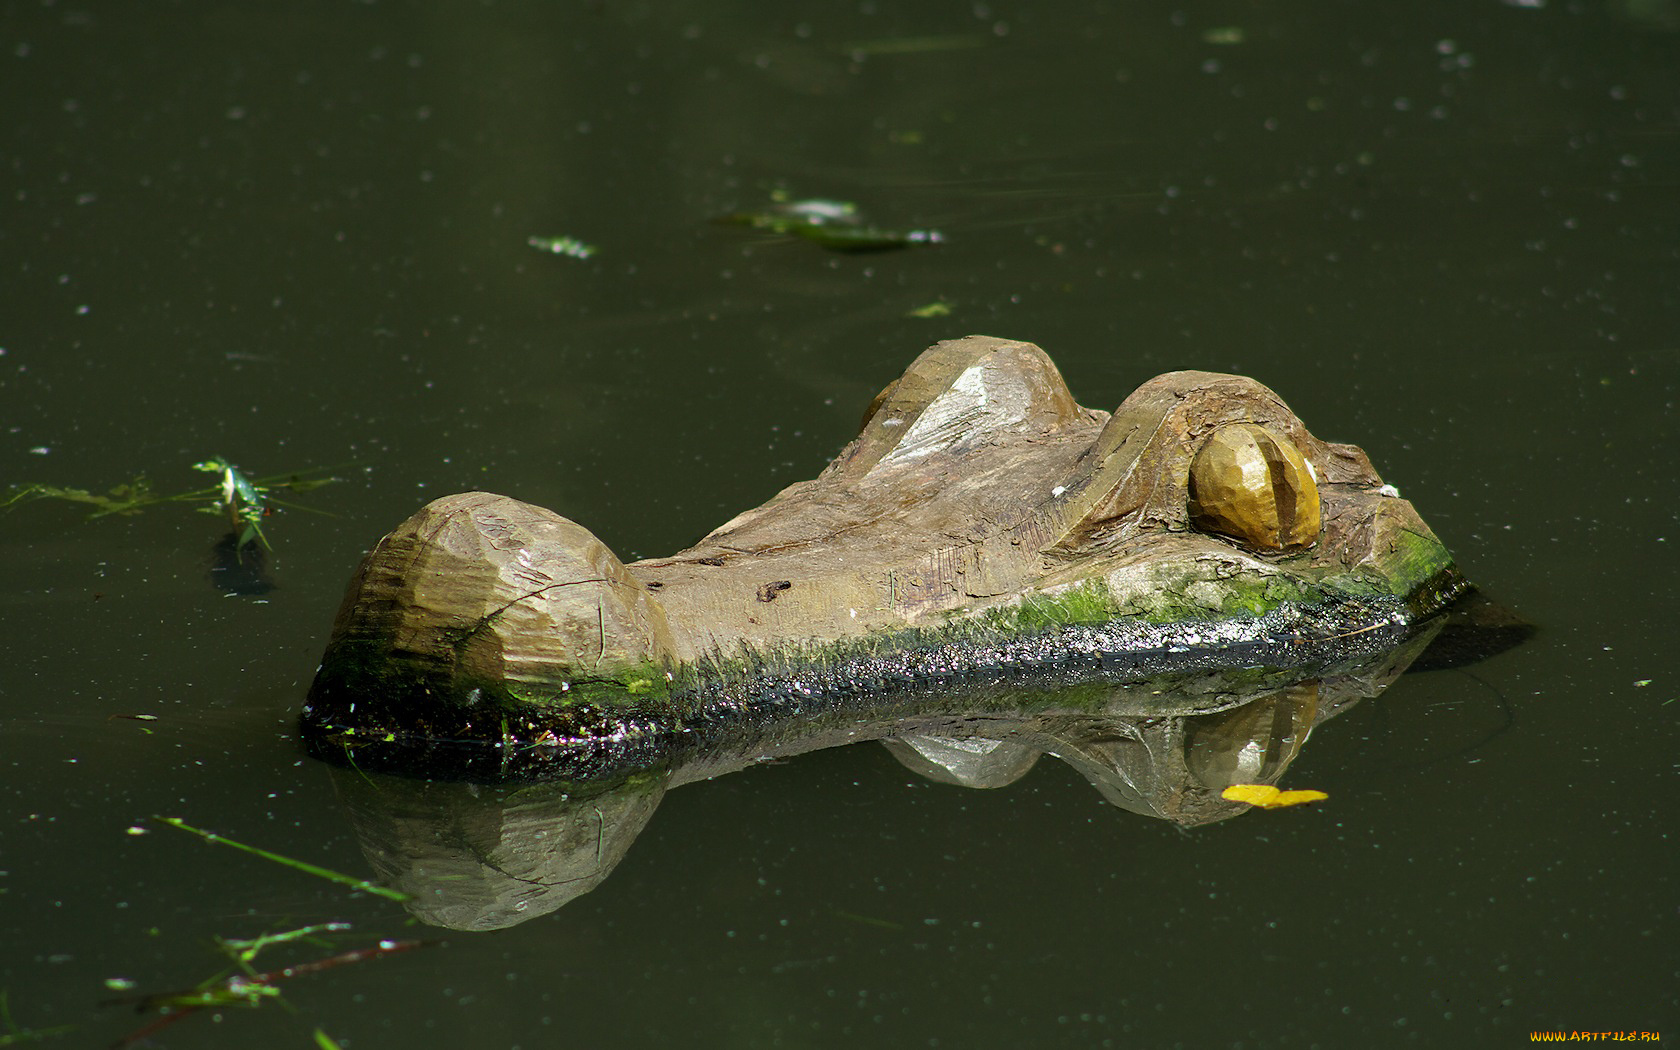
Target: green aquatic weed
[(245, 986), (307, 868), (243, 500)]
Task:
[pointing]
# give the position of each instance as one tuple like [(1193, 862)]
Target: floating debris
[(1226, 35), (246, 986), (832, 224), (570, 246), (864, 238)]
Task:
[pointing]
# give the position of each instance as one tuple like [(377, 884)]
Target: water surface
[(1447, 232)]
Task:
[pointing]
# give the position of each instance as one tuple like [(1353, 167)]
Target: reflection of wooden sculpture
[(475, 859), (982, 522)]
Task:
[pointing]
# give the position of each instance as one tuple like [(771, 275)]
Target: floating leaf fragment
[(937, 308), (569, 246), (1223, 35), (832, 224), (1265, 796), (864, 238)]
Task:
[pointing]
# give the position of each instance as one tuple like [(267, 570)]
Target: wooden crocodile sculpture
[(982, 525)]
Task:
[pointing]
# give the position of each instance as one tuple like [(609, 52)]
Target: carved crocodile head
[(982, 524)]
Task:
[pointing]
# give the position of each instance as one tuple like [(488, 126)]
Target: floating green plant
[(243, 500), (307, 868), (244, 951), (245, 986)]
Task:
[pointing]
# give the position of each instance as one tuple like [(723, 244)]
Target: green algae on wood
[(982, 522)]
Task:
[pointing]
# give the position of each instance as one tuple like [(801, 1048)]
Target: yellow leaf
[(1267, 797)]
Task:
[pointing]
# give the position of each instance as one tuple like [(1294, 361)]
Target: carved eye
[(1252, 485)]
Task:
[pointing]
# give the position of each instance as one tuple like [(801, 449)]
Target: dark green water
[(1447, 232)]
